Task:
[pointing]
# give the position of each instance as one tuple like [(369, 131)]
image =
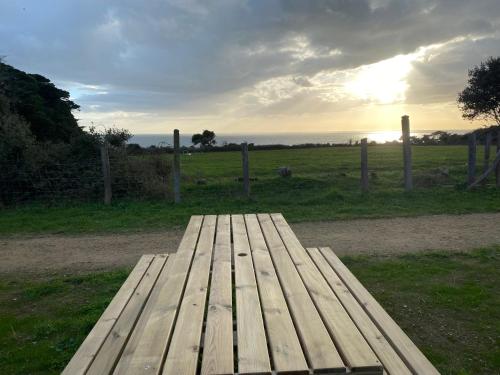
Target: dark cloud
[(440, 76)]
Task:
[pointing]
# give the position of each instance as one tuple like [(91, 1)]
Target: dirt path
[(57, 253)]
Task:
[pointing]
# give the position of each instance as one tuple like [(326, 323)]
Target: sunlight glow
[(383, 82), (383, 136)]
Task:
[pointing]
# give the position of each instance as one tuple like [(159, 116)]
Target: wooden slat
[(286, 351), (146, 349), (127, 363), (382, 348), (190, 237), (218, 344), (409, 352), (253, 357), (350, 342), (93, 342), (112, 347), (182, 356), (317, 343)]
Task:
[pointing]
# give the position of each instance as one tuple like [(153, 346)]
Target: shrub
[(139, 176), (49, 171)]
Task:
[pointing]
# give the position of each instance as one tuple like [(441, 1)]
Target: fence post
[(498, 165), (364, 164), (106, 173), (487, 147), (471, 169), (177, 167), (405, 125), (246, 173)]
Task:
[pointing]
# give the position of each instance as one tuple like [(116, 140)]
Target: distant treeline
[(134, 148), (437, 138), (444, 138)]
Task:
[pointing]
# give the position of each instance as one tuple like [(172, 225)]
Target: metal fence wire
[(131, 176)]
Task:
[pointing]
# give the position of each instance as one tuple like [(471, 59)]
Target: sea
[(146, 140)]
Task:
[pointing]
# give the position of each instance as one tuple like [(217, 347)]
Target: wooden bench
[(242, 295)]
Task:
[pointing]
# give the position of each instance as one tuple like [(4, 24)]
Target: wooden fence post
[(246, 173), (106, 173), (177, 167), (364, 164), (498, 165), (487, 147), (471, 169), (405, 124)]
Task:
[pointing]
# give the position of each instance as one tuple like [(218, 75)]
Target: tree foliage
[(205, 139), (15, 137), (46, 108), (113, 136), (481, 98), (43, 151)]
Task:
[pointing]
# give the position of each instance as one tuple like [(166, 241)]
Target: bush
[(139, 176), (42, 170)]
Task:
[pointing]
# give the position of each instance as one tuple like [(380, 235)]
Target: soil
[(83, 253)]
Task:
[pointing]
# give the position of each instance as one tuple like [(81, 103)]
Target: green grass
[(324, 186), (447, 303), (43, 322)]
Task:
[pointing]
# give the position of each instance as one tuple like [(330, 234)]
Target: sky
[(255, 66)]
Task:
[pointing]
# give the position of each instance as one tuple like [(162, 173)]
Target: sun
[(383, 82)]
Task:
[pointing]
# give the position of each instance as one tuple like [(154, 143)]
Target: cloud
[(442, 72), (242, 58)]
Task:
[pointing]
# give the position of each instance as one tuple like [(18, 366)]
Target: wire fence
[(255, 174), (131, 177)]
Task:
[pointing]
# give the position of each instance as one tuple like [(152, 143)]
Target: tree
[(205, 139), (46, 108), (481, 98), (196, 139), (116, 137)]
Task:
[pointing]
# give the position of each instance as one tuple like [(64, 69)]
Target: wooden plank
[(93, 342), (253, 357), (190, 237), (350, 342), (218, 344), (112, 347), (382, 348), (285, 348), (317, 343), (408, 351), (132, 358), (148, 345), (182, 356)]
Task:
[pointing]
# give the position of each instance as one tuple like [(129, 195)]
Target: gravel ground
[(83, 253)]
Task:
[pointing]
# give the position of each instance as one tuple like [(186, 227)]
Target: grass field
[(447, 303), (324, 186)]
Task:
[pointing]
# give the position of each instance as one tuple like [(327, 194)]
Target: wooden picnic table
[(242, 296)]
